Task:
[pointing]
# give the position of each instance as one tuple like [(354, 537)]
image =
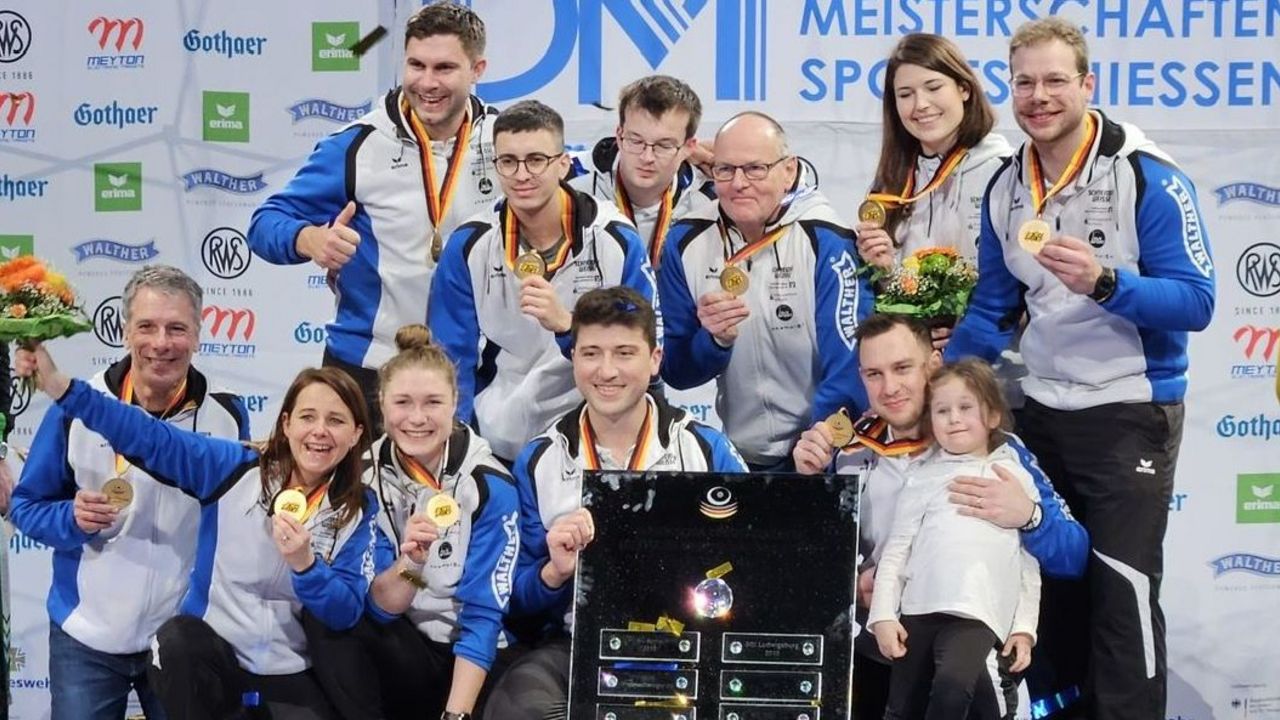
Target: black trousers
[(535, 686), (367, 380), (391, 671), (1114, 467), (939, 676), (872, 673), (196, 675)]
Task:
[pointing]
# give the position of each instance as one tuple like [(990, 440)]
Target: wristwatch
[(446, 715), (1037, 515), (4, 450), (1105, 286)]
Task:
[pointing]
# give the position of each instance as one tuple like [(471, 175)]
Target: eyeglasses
[(662, 150), (536, 164), (723, 172), (1024, 86)]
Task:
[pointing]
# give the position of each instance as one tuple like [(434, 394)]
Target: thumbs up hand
[(330, 246)]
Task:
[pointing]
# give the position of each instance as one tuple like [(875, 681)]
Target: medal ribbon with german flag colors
[(1038, 194), (660, 229), (869, 435), (511, 234), (126, 397), (438, 203), (418, 471), (591, 457), (753, 248), (314, 498), (949, 165)]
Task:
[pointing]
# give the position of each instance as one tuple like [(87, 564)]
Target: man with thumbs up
[(376, 200)]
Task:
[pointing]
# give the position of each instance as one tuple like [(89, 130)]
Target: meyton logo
[(229, 331), (226, 116), (331, 46), (113, 35), (15, 36), (653, 29), (17, 111), (1259, 347)]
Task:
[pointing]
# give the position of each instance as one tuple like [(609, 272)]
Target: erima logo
[(1144, 467), (1192, 230), (208, 177), (325, 110), (224, 121), (653, 29)]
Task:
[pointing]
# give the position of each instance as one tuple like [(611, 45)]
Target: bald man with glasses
[(761, 293), (500, 298)]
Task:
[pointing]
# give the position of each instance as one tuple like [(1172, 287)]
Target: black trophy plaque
[(715, 597)]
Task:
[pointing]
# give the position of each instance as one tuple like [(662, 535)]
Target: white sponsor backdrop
[(125, 113)]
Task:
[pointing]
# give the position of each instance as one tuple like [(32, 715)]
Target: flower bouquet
[(932, 283), (36, 303)]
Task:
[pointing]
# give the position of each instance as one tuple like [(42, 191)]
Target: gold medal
[(443, 510), (291, 502), (119, 492), (1033, 234), (871, 211), (734, 280), (841, 429), (530, 264), (437, 245)]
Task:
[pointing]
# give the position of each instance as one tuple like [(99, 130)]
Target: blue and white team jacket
[(1060, 544), (514, 376), (598, 176), (375, 161), (549, 478), (240, 584), (1140, 214), (112, 589), (470, 567), (794, 361)]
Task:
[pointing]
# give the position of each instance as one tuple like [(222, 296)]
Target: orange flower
[(15, 279), (910, 284), (17, 310), (18, 264), (937, 250)]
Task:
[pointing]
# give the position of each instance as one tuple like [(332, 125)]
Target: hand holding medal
[(721, 313), (293, 540), (419, 533)]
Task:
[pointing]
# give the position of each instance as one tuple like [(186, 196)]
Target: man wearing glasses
[(761, 293), (1102, 235), (643, 168), (376, 200), (500, 297)]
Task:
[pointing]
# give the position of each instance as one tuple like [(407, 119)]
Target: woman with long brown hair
[(937, 154), (285, 529)]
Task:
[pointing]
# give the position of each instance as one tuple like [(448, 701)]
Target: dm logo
[(225, 253), (331, 46), (739, 45), (226, 116), (1258, 269), (113, 34), (15, 36), (117, 187), (108, 322)]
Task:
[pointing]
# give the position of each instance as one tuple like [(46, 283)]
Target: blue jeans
[(91, 685)]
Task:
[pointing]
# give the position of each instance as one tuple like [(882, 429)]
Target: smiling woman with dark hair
[(284, 530)]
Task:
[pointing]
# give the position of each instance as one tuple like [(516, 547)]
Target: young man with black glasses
[(500, 297), (761, 293), (645, 168)]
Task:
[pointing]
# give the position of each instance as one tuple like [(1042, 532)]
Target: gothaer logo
[(331, 46), (117, 187), (226, 116)]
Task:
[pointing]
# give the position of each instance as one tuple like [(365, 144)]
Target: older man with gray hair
[(761, 293), (123, 542)]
